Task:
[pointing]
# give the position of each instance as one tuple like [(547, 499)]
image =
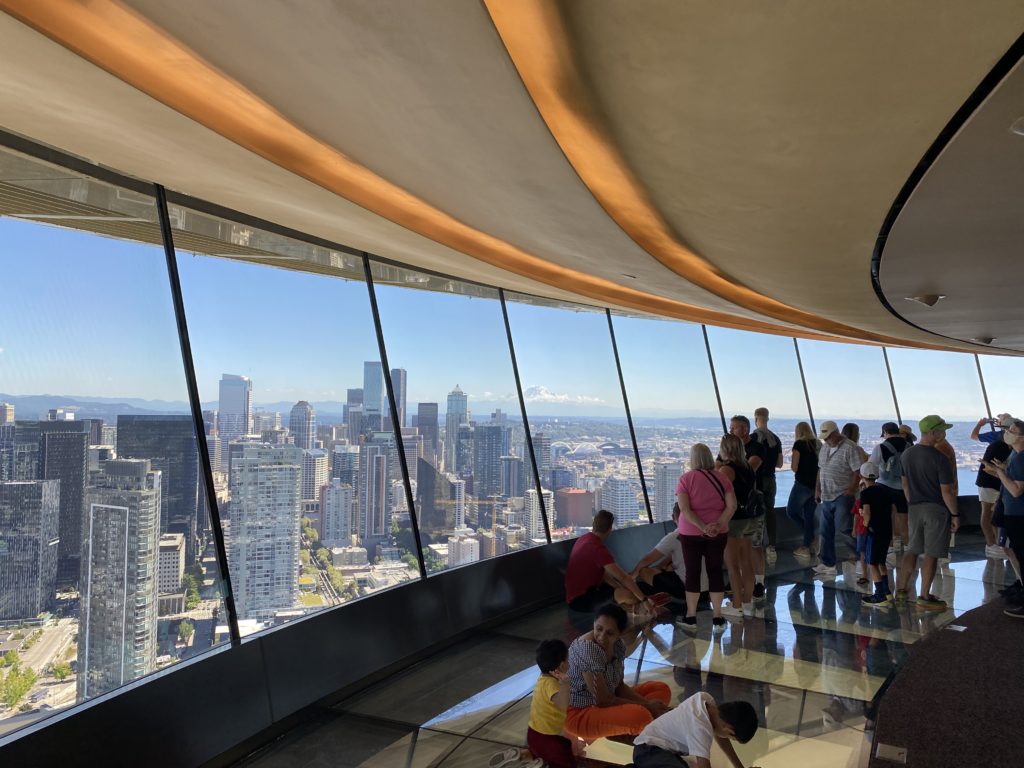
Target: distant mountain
[(106, 408)]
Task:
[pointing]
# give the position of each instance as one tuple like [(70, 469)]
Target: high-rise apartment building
[(458, 497), (314, 472), (344, 464), (489, 445), (302, 425), (534, 515), (456, 414), (374, 396), (117, 636), (412, 444), (29, 521), (426, 423), (666, 478), (399, 379), (170, 445), (6, 413), (513, 476), (336, 500), (265, 420), (462, 550), (262, 531), (375, 460), (171, 568), (542, 453), (574, 508), (619, 498), (234, 411)]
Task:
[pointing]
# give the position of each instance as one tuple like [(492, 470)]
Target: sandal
[(659, 599), (499, 759)]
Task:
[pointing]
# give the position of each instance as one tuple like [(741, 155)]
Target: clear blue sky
[(91, 316)]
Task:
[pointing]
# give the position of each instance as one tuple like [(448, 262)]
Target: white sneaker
[(770, 555), (803, 553), (748, 609), (860, 568), (731, 612), (825, 571), (995, 551)]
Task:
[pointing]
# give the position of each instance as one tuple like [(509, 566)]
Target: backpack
[(756, 505), (891, 469)]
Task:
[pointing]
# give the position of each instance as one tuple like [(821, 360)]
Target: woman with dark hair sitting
[(601, 704)]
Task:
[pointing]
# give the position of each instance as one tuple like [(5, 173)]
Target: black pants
[(664, 581), (593, 598), (1014, 525)]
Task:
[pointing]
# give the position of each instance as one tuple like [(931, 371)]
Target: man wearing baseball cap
[(839, 463), (928, 483)]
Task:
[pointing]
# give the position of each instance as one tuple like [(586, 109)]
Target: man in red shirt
[(593, 578)]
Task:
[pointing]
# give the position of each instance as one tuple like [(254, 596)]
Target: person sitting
[(601, 704), (662, 569), (592, 576), (545, 736), (689, 730)]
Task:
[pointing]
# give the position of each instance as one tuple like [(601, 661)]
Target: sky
[(91, 316)]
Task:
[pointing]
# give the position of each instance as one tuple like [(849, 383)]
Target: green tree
[(185, 630), (16, 683), (311, 535), (304, 557), (410, 559), (61, 670), (10, 658), (324, 556), (191, 591)]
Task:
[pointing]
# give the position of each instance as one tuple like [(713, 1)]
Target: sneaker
[(901, 596), (860, 568), (1015, 613), (930, 603), (802, 552), (535, 763), (770, 555), (1014, 589), (759, 591), (995, 551), (748, 610), (731, 612), (689, 624), (825, 571), (877, 601), (505, 757), (718, 625)]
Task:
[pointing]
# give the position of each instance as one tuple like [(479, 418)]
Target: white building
[(171, 569), (462, 550), (336, 513), (619, 498), (314, 472), (534, 517), (666, 478)]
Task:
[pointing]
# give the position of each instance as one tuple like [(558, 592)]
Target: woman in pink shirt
[(707, 503)]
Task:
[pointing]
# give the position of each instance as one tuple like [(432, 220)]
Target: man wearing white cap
[(929, 484), (839, 463)]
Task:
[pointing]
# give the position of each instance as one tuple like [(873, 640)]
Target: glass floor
[(810, 661)]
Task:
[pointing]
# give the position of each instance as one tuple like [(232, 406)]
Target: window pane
[(671, 397), (577, 419), (464, 437), (107, 566), (848, 383), (755, 370), (1002, 377), (289, 369), (947, 384)]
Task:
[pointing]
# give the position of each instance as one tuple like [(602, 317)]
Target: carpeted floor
[(957, 700)]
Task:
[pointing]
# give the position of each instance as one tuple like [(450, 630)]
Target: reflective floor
[(809, 661)]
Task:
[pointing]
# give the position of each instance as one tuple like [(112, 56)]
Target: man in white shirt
[(690, 729), (838, 476)]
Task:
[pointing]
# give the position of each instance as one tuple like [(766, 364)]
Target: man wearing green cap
[(929, 484)]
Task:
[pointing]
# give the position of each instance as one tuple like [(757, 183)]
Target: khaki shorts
[(929, 530), (748, 528), (988, 495)]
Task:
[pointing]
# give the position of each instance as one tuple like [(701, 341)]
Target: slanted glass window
[(306, 456), (946, 384), (461, 421), (757, 370), (108, 571), (577, 418), (671, 398)]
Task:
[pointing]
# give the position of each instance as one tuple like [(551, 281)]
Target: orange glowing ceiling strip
[(535, 36), (146, 57)]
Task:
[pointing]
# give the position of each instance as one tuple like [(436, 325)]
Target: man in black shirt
[(989, 485), (772, 461), (740, 426)]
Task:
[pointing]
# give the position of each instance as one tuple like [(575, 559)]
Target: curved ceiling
[(766, 143)]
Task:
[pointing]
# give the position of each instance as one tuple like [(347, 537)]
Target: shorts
[(863, 544), (898, 499), (878, 546), (929, 530), (988, 495), (593, 598), (748, 528)]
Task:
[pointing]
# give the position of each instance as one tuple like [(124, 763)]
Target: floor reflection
[(810, 661)]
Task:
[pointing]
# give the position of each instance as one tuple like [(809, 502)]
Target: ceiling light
[(1017, 126), (631, 277), (928, 299), (983, 340)]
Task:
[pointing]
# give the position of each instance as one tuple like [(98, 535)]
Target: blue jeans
[(835, 513), (801, 508)]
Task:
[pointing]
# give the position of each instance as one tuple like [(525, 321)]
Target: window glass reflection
[(461, 422), (297, 420), (107, 566), (671, 398), (577, 418)]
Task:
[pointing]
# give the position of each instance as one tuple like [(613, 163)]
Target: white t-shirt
[(685, 730), (670, 547)]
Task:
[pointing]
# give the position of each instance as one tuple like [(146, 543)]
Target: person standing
[(876, 503), (887, 456), (851, 431), (928, 482), (838, 477), (772, 461), (1011, 476), (802, 505), (744, 528), (996, 450), (755, 453)]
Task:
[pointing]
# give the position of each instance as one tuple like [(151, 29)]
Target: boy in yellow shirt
[(546, 735)]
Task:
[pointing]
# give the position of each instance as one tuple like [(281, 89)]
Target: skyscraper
[(619, 498), (489, 442), (458, 491), (374, 396), (412, 443), (266, 420), (374, 484), (534, 516), (398, 384), (234, 416), (456, 414), (314, 472), (542, 451), (513, 476), (426, 423), (117, 636), (574, 508), (302, 425), (6, 413), (344, 463), (29, 520), (666, 478), (336, 514), (171, 567), (262, 532), (169, 443)]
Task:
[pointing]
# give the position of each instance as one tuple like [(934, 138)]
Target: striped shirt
[(836, 467), (587, 656)]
